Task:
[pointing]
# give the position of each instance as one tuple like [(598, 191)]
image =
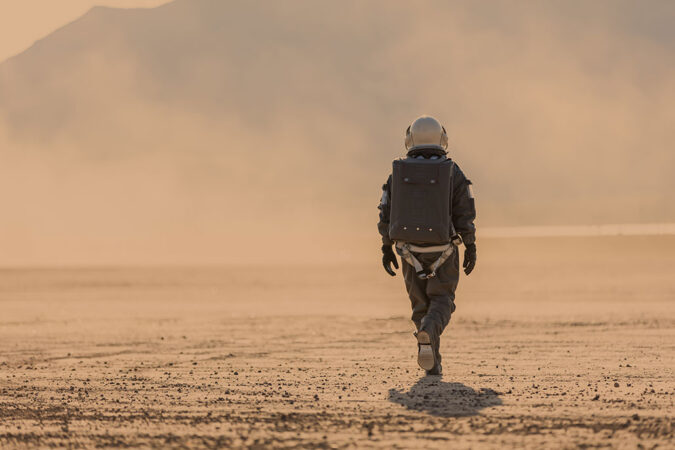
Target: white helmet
[(426, 132)]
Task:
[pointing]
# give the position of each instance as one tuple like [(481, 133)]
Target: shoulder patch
[(385, 198), (469, 188)]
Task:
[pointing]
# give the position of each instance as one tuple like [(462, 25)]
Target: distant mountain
[(257, 64), (560, 112)]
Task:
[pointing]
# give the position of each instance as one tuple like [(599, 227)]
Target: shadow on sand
[(438, 398)]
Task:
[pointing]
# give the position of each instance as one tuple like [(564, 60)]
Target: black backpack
[(420, 201)]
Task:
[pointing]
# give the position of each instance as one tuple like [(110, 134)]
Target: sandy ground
[(557, 343)]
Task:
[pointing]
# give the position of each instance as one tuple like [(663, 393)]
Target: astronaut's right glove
[(388, 258), (469, 258)]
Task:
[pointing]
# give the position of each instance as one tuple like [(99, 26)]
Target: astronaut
[(427, 211)]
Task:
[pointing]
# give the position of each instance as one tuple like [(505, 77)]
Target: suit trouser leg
[(433, 300)]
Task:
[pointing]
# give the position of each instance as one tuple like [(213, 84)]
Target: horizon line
[(625, 229)]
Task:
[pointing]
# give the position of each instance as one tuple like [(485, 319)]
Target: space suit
[(430, 285)]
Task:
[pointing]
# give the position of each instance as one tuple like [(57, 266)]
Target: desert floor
[(556, 342)]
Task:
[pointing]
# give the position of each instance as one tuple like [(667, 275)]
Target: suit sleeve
[(385, 210), (463, 207)]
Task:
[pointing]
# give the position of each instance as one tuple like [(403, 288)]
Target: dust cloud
[(182, 134)]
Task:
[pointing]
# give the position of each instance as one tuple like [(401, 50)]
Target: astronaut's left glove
[(388, 258), (469, 258)]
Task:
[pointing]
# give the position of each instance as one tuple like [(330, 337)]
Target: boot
[(437, 370), (426, 353)]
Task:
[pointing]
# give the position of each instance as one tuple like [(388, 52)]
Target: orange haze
[(209, 131)]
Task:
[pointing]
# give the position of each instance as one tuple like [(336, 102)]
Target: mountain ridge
[(547, 114)]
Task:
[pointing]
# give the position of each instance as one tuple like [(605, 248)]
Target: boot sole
[(425, 355)]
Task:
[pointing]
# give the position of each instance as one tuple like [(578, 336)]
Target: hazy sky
[(22, 22), (220, 131)]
